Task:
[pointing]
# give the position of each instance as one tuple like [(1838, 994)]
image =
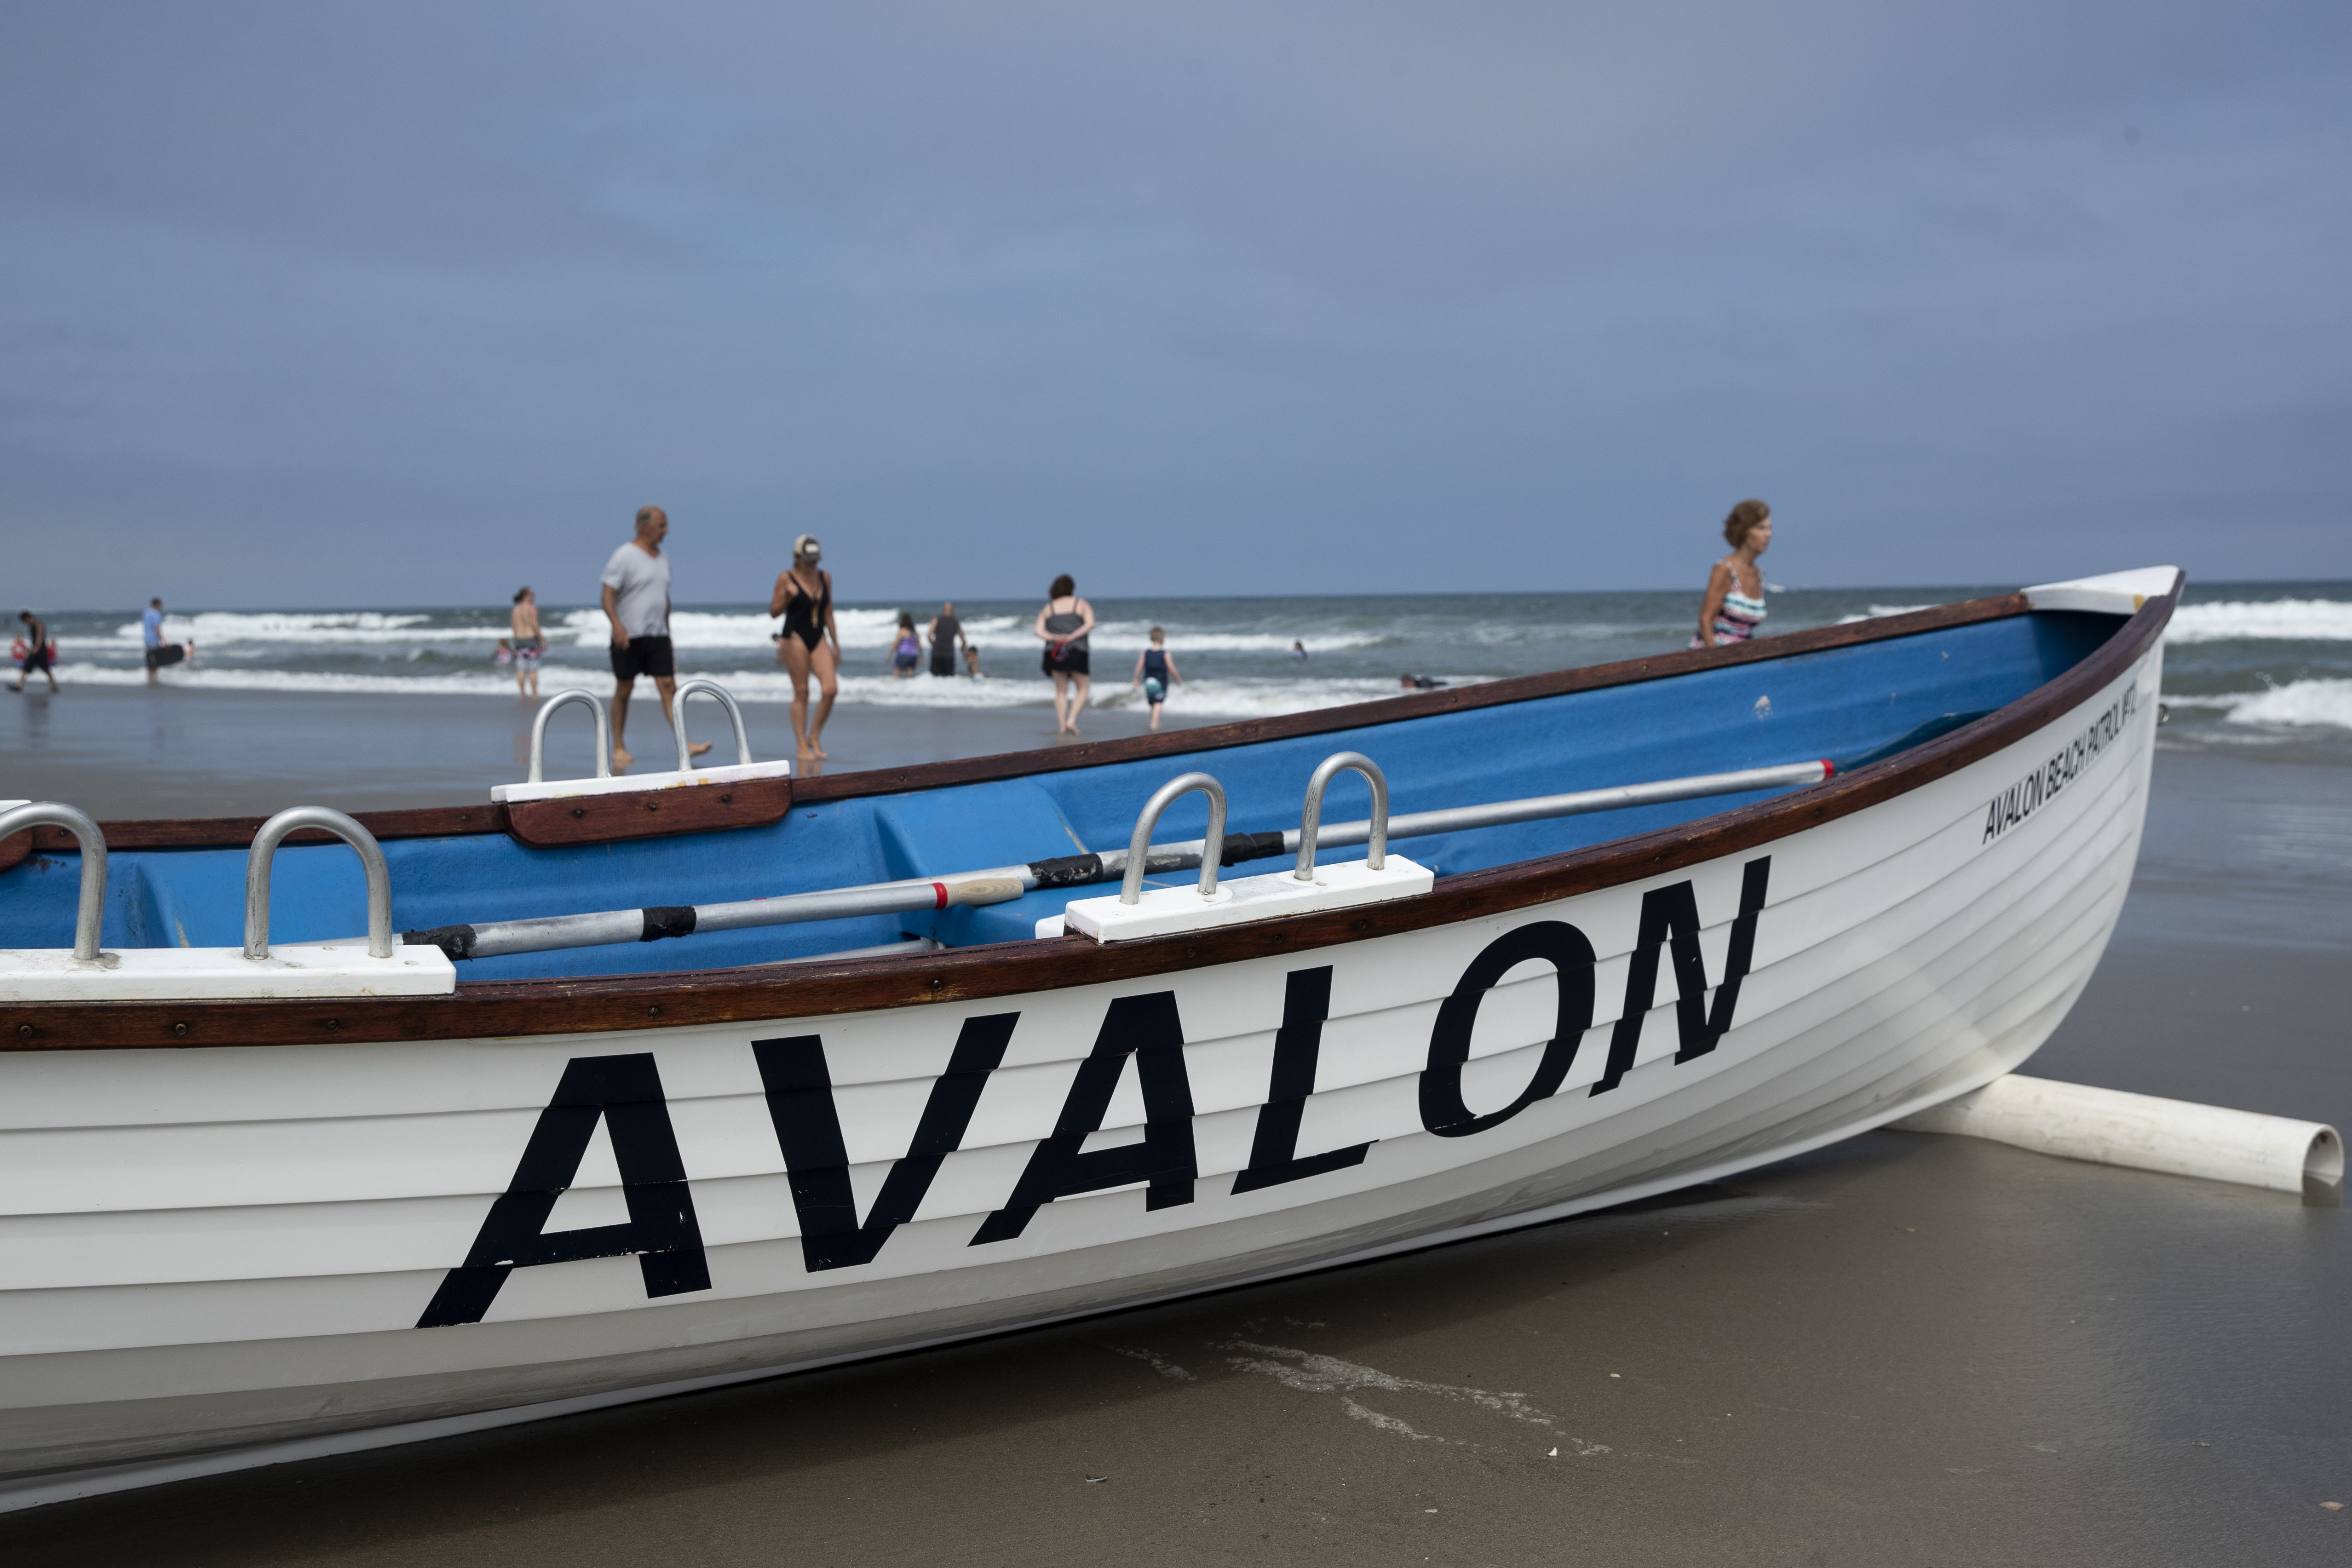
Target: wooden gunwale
[(456, 821), (503, 1009)]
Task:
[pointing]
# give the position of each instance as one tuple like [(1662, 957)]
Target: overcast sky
[(313, 306)]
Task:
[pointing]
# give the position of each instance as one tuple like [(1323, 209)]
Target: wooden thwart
[(648, 813)]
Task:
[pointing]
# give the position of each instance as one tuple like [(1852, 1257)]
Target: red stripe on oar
[(1829, 770), (940, 889)]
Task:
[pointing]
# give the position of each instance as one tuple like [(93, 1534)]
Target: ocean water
[(2263, 666)]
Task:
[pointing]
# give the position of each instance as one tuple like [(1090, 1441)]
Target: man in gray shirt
[(636, 602)]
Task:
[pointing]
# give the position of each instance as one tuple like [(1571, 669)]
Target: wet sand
[(1904, 1350), (119, 752)]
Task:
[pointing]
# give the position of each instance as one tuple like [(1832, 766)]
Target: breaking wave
[(879, 629), (2298, 705), (1225, 698), (295, 626), (2294, 620)]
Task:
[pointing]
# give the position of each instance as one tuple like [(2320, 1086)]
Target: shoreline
[(127, 752)]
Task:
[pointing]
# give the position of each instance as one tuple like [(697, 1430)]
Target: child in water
[(909, 649), (1154, 670)]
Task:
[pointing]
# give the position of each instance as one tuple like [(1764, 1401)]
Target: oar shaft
[(549, 933), (1543, 808)]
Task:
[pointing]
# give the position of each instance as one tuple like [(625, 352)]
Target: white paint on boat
[(291, 969), (622, 784), (227, 1252), (2110, 1127), (1240, 900), (2109, 594)]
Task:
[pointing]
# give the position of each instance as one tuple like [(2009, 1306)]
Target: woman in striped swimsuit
[(1734, 606)]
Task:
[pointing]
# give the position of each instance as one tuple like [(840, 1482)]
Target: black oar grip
[(668, 920), (457, 941)]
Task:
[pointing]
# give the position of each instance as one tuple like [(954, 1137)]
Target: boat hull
[(209, 1252)]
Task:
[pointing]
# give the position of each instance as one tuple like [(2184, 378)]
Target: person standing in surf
[(529, 644), (1062, 626), (947, 631), (810, 639), (38, 655), (1734, 605), (636, 603), (907, 652), (1155, 671), (159, 652)]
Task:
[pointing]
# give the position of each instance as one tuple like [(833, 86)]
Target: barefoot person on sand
[(1734, 605), (529, 644), (1062, 626), (1155, 671), (636, 602), (811, 640)]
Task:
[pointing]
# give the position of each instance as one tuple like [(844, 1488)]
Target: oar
[(495, 938)]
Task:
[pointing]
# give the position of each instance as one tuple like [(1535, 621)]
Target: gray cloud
[(298, 305)]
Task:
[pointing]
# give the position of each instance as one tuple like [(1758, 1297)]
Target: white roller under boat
[(639, 1085)]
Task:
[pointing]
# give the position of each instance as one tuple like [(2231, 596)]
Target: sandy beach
[(1904, 1349), (132, 751)]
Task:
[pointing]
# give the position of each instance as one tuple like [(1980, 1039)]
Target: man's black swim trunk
[(644, 656)]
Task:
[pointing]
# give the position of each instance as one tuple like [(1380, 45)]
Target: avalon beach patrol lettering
[(2037, 789), (626, 1093)]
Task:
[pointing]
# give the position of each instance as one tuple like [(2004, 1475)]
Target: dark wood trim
[(511, 1008), (649, 813), (1400, 709), (236, 832), (16, 846)]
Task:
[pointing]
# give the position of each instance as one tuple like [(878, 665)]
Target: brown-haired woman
[(1734, 606), (1062, 626)]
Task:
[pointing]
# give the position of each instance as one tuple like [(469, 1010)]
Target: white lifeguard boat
[(681, 1082)]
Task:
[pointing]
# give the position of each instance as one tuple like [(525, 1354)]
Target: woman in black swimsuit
[(811, 639)]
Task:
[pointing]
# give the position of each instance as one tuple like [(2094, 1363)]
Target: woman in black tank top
[(811, 640), (1062, 626)]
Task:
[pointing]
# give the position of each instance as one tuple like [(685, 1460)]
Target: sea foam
[(2298, 704), (2295, 620), (1226, 698), (228, 626)]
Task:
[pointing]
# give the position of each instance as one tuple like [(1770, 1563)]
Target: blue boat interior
[(1849, 705)]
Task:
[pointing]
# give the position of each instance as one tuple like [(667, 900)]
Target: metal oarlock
[(1139, 845), (708, 687), (603, 730), (91, 913), (264, 849), (1310, 817)]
